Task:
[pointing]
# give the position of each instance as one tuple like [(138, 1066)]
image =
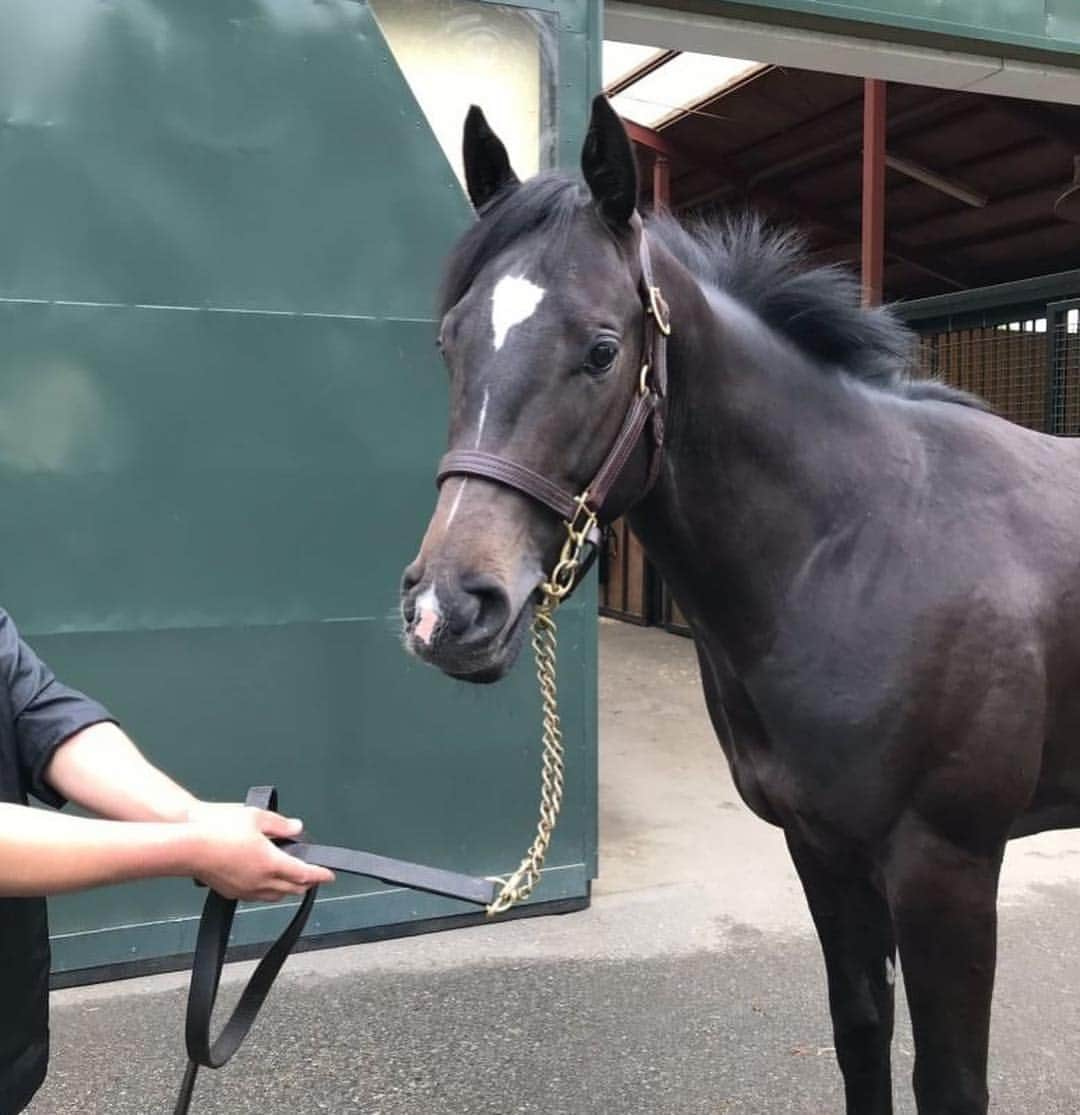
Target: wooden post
[(873, 191), (661, 182)]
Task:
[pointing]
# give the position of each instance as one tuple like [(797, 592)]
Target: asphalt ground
[(692, 985)]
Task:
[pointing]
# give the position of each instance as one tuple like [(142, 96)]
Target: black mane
[(815, 307), (766, 269)]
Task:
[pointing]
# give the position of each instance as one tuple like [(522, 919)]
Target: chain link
[(523, 881), (518, 886)]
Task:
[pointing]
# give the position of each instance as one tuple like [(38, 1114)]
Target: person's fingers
[(288, 868), (295, 871), (305, 875), (279, 889), (275, 826)]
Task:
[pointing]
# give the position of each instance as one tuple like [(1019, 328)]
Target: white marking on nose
[(513, 301), (428, 615), (890, 972)]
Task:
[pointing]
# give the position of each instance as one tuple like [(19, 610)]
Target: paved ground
[(692, 986)]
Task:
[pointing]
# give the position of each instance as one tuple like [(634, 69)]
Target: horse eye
[(602, 356)]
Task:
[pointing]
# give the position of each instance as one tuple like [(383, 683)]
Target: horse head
[(543, 328)]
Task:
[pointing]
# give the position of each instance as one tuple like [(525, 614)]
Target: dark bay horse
[(882, 578)]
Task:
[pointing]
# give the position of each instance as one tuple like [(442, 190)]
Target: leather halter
[(586, 512)]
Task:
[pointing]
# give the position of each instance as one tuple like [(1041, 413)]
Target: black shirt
[(37, 714)]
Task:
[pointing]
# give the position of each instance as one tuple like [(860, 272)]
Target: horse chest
[(763, 784), (784, 772)]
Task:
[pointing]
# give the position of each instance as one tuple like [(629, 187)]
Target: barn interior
[(972, 181), (959, 207)]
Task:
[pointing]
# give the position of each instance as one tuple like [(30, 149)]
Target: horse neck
[(763, 453)]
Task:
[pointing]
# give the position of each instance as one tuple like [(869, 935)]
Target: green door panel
[(220, 411), (193, 468), (372, 749), (1047, 27), (238, 153)]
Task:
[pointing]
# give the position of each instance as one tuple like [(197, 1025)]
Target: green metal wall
[(220, 407), (1042, 27)]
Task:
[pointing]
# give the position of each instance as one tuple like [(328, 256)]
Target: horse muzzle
[(464, 626)]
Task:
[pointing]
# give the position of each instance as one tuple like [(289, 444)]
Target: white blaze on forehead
[(513, 301), (428, 615)]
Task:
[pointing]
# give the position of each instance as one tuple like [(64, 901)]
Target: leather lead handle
[(215, 926), (211, 944)]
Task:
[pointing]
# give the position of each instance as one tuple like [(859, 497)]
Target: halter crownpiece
[(584, 513)]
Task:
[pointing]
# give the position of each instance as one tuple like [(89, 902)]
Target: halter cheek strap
[(585, 512)]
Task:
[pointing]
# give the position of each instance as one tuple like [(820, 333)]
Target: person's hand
[(234, 855)]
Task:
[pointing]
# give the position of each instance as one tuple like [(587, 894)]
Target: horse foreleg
[(944, 900), (855, 929)]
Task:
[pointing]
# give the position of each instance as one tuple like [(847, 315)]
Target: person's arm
[(165, 831), (44, 853), (100, 769)]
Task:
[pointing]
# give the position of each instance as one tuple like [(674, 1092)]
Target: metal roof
[(970, 188)]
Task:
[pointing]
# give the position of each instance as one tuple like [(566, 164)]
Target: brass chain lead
[(523, 881), (518, 886)]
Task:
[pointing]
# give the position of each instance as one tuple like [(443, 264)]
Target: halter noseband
[(584, 514)]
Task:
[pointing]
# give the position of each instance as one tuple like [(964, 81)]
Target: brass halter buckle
[(578, 529), (643, 379)]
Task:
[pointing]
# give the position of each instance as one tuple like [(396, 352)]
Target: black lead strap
[(216, 925)]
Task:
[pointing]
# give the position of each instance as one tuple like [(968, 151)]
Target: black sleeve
[(45, 712)]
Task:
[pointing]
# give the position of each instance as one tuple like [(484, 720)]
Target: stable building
[(222, 406)]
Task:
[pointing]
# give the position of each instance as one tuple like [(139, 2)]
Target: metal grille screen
[(1065, 370), (1026, 367), (1005, 364)]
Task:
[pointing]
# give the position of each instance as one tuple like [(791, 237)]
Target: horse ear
[(608, 164), (487, 165)]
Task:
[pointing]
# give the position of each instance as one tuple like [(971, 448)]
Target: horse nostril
[(487, 608), (409, 580)]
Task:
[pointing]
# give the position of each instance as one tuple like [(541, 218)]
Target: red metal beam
[(848, 141), (784, 206), (733, 182), (653, 140), (873, 191)]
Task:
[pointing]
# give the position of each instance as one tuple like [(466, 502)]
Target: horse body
[(841, 600), (882, 579), (884, 596)]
